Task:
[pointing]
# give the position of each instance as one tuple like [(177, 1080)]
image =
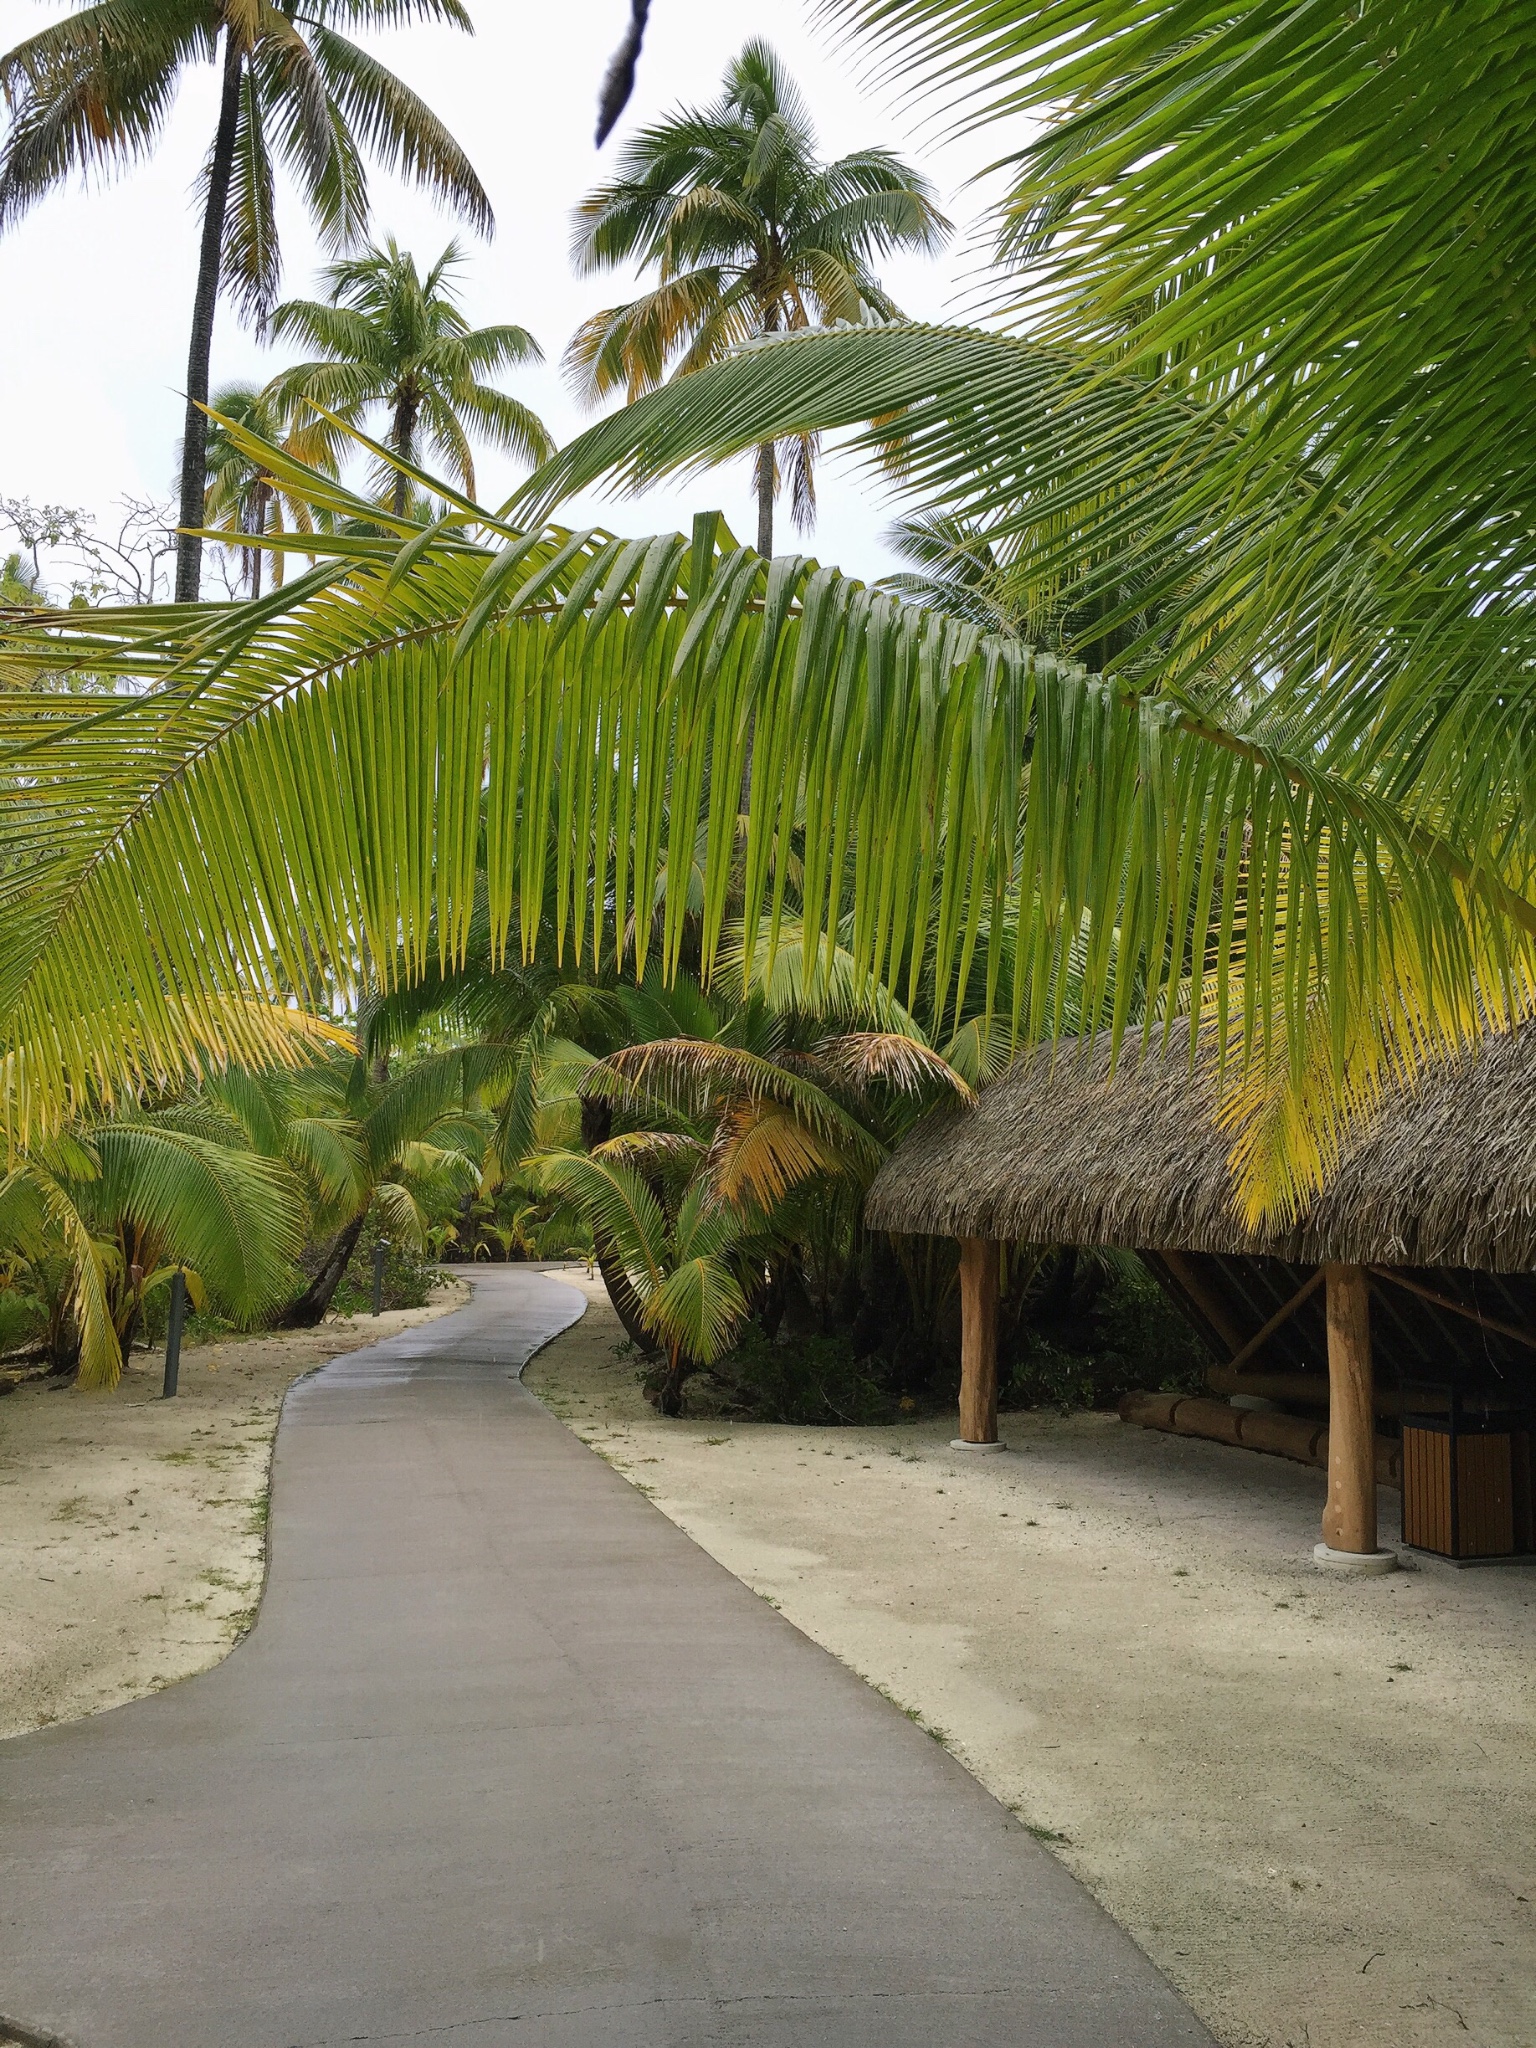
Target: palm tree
[(368, 1147), (740, 1145), (95, 89), (121, 1203), (476, 716), (955, 569), (750, 233), (242, 495), (1261, 356), (389, 337)]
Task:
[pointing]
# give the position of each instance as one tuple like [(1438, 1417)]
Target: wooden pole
[(978, 1340), (1349, 1520)]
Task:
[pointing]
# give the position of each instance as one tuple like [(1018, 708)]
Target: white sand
[(132, 1529), (1311, 1800)]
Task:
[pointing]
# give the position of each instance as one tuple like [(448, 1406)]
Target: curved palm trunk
[(194, 447), (626, 1303), (311, 1306), (596, 1126), (680, 1369)]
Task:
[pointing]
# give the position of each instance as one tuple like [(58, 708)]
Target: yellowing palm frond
[(762, 1149), (895, 1058)]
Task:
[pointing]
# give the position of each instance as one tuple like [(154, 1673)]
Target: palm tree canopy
[(387, 337), (1265, 338), (749, 232), (1263, 409), (748, 229), (95, 89), (241, 498)]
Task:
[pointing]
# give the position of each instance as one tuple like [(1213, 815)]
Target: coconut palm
[(1216, 367), (532, 724), (392, 1148), (243, 497), (750, 233), (124, 1202), (955, 569), (94, 90), (20, 583), (390, 339)]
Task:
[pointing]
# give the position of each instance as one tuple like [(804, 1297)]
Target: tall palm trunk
[(262, 495), (194, 444), (403, 441), (766, 466)]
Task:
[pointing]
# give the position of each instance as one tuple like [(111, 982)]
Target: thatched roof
[(1056, 1153)]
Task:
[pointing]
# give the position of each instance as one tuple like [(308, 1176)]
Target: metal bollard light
[(379, 1251), (173, 1333)]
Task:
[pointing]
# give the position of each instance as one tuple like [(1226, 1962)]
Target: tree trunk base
[(311, 1307)]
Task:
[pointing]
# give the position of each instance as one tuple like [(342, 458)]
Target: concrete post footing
[(959, 1443), (1369, 1564)]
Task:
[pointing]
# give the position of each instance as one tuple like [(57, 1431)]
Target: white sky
[(97, 284)]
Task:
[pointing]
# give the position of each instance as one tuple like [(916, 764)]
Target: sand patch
[(1312, 1801), (132, 1529)]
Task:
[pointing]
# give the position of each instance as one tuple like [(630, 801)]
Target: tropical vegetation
[(243, 499), (93, 91), (1237, 440), (388, 338), (693, 873), (749, 233)]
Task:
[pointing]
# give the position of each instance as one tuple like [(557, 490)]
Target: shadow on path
[(508, 1761)]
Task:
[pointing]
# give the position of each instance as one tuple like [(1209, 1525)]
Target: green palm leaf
[(236, 1217), (368, 767), (697, 1309)]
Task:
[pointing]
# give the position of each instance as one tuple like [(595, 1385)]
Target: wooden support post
[(1349, 1520), (978, 1340)]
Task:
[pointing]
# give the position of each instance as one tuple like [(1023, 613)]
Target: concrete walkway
[(507, 1762)]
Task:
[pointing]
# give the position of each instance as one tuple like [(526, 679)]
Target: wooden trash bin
[(1467, 1483)]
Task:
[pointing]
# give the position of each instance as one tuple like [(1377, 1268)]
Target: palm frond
[(535, 729), (234, 1216), (697, 1309)]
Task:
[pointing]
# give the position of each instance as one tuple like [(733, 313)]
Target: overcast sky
[(97, 284)]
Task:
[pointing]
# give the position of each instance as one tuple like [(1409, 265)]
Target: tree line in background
[(1206, 694), (747, 230)]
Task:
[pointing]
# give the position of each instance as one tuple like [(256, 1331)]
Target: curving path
[(508, 1762)]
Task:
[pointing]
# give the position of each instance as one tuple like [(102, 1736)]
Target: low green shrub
[(23, 1319), (807, 1380)]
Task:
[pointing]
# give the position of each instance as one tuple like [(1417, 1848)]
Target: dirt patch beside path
[(1311, 1800), (133, 1530)]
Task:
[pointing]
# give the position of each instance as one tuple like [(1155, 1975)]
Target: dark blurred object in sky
[(619, 82)]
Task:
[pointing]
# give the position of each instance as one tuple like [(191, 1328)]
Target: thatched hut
[(1428, 1231)]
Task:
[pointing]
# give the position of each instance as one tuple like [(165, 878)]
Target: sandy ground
[(132, 1529), (1311, 1800)]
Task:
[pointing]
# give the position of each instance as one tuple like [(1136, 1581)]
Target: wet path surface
[(508, 1761)]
